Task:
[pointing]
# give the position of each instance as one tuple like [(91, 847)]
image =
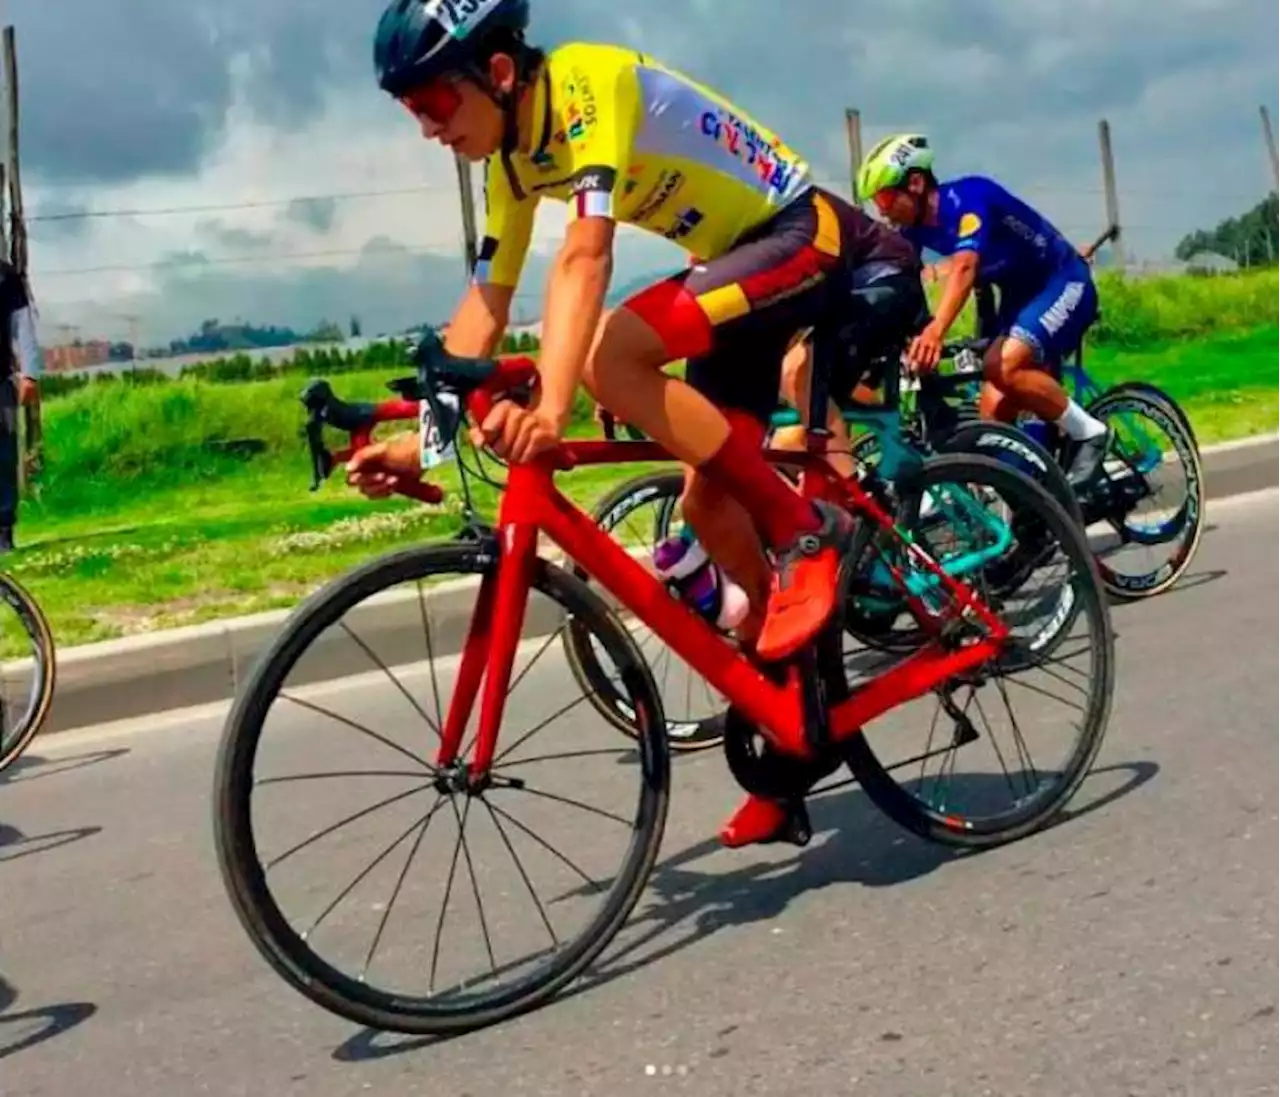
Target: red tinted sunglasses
[(437, 102), (884, 199)]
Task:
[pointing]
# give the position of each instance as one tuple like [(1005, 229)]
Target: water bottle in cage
[(686, 567)]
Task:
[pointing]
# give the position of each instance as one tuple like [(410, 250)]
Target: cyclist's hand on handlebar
[(375, 469), (516, 434), (925, 349)]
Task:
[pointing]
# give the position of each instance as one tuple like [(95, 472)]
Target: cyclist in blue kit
[(1047, 296)]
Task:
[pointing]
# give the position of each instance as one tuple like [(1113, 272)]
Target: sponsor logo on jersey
[(745, 143), (969, 224), (686, 222), (664, 189), (592, 191), (1024, 230), (580, 112)]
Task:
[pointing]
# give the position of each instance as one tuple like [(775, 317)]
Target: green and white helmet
[(887, 164)]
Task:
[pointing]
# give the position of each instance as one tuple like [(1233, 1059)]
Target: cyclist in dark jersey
[(1047, 296)]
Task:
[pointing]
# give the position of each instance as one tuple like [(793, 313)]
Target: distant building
[(69, 356)]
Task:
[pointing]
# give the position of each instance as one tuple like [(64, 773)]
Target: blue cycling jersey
[(1017, 245)]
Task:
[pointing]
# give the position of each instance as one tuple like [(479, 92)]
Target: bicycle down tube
[(531, 505)]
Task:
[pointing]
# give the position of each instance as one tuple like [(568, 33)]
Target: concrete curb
[(177, 668)]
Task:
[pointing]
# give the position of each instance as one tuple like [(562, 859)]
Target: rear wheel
[(640, 513), (1060, 659), (1150, 495)]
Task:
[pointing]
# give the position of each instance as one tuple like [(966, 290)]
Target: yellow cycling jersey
[(617, 134)]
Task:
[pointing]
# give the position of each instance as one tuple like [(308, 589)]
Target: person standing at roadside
[(20, 370)]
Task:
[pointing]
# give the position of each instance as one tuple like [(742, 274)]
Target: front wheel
[(358, 940)]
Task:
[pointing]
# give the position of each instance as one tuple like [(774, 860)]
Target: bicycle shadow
[(50, 1021), (21, 769), (690, 905), (27, 845)]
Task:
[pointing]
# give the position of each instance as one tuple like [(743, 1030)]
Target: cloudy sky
[(297, 191)]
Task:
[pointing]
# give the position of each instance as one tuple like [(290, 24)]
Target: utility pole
[(4, 232), (853, 128), (1109, 188), (1269, 135), (17, 220)]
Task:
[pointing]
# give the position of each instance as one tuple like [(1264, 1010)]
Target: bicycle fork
[(489, 652)]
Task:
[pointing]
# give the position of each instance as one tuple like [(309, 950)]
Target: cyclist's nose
[(431, 129)]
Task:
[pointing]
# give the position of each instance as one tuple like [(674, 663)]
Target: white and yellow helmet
[(888, 163)]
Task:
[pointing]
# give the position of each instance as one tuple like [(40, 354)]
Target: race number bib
[(436, 439)]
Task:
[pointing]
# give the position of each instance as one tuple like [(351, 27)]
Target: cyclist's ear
[(502, 73)]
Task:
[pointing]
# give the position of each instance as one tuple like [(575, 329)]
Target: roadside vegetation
[(166, 500)]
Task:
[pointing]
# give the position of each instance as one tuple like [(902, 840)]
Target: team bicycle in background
[(972, 575)]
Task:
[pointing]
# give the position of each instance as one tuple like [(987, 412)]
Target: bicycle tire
[(1157, 393), (278, 943), (613, 508), (1139, 397), (44, 656), (943, 828)]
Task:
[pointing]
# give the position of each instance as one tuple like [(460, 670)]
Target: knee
[(622, 340)]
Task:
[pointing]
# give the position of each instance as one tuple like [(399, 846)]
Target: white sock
[(1079, 425)]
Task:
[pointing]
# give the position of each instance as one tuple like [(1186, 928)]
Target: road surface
[(1130, 950)]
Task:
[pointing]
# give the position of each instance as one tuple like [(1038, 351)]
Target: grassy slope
[(141, 525)]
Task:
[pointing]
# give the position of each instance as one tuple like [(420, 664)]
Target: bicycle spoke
[(545, 844), (335, 773), (423, 823), (565, 754), (520, 869), (360, 728), (1015, 681), (394, 680), (431, 657), (996, 747), (538, 727), (471, 739), (444, 907), (475, 884), (576, 803), (343, 822), (1024, 751), (364, 873)]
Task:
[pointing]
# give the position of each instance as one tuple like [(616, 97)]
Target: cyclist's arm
[(963, 264), (478, 324), (482, 316), (576, 291), (581, 271)]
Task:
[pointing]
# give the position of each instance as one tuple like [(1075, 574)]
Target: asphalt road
[(1130, 950)]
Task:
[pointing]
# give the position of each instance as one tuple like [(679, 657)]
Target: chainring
[(763, 771)]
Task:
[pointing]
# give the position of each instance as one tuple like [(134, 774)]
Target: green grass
[(140, 524)]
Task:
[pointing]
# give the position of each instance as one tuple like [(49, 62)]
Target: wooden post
[(31, 430), (1268, 135), (1109, 188), (853, 127), (17, 220), (470, 250)]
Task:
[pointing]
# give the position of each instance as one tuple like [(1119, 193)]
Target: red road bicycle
[(806, 717)]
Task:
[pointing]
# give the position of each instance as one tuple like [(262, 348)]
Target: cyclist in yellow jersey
[(621, 138)]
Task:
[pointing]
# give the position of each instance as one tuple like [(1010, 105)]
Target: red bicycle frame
[(532, 505)]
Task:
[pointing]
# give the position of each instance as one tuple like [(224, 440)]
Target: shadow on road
[(14, 843), (861, 846), (32, 767), (20, 1031)]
